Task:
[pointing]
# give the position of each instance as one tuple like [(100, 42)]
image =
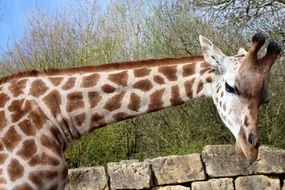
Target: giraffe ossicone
[(42, 112)]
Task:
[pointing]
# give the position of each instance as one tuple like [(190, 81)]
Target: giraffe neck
[(80, 100), (116, 95)]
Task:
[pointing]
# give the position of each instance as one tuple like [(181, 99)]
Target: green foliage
[(126, 30)]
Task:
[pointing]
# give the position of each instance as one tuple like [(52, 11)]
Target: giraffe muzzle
[(247, 145)]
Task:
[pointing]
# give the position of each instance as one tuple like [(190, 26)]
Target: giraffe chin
[(246, 151)]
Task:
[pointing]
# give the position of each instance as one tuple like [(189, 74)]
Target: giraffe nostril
[(253, 140), (250, 141), (250, 138)]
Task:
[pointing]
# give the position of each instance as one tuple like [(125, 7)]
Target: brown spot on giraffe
[(108, 88), (158, 79), (55, 80), (64, 172), (94, 98), (27, 127), (200, 86), (3, 120), (156, 101), (218, 89), (224, 107), (120, 78), (51, 144), (188, 70), (80, 118), (134, 103), (19, 108), (53, 187), (3, 157), (169, 72), (115, 102), (38, 88), (74, 101), (143, 85), (69, 84), (52, 101), (43, 159), (36, 179), (16, 87), (175, 96), (97, 121), (11, 138), (28, 149), (188, 85), (90, 80), (39, 177), (24, 186), (209, 79), (1, 146), (141, 72), (121, 116), (3, 99), (15, 170), (37, 117)]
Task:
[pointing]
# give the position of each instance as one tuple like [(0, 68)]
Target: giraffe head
[(240, 87)]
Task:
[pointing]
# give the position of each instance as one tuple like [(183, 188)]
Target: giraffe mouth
[(250, 155), (246, 150)]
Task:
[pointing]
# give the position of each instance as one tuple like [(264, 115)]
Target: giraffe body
[(42, 112)]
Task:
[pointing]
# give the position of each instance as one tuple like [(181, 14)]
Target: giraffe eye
[(229, 88)]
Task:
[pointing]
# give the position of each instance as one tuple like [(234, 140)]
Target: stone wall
[(216, 168)]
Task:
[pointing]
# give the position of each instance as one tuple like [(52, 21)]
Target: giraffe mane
[(104, 67)]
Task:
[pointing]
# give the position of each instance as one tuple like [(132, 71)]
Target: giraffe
[(41, 113)]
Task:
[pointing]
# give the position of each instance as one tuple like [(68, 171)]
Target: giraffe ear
[(242, 51), (213, 55)]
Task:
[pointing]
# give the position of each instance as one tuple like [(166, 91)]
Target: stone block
[(257, 182), (130, 175), (270, 161), (178, 169), (221, 161), (214, 184), (172, 187), (93, 178)]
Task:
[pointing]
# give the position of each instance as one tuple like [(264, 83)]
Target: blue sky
[(14, 15)]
